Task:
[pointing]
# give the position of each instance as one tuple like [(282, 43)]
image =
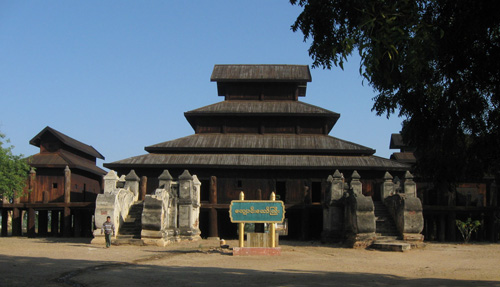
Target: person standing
[(108, 228)]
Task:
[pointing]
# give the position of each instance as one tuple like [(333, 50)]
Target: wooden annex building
[(64, 183), (260, 139)]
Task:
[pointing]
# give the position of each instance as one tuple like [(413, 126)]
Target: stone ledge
[(256, 251)]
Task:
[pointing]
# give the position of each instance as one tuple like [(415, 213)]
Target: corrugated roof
[(262, 107), (62, 159), (257, 161), (67, 141), (261, 143), (257, 73)]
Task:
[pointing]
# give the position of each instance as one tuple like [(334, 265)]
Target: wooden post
[(5, 222), (77, 228), (67, 185), (54, 223), (212, 215), (16, 222), (43, 219), (31, 222), (272, 228), (241, 226), (143, 188), (67, 200)]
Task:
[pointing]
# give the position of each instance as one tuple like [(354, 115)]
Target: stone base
[(256, 251), (155, 242), (417, 237), (261, 239), (391, 246), (361, 240)]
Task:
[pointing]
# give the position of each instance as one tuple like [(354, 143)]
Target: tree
[(435, 62), (13, 170)]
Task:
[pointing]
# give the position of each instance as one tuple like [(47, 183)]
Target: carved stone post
[(356, 185), (132, 183), (387, 188), (110, 181), (333, 210), (410, 187), (188, 207)]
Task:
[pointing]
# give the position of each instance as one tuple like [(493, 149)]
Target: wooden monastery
[(260, 139)]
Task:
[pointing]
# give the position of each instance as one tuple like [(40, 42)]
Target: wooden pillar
[(451, 226), (77, 228), (304, 226), (442, 227), (16, 222), (31, 222), (67, 201), (43, 220), (5, 222), (54, 223), (143, 187), (67, 185), (212, 215), (61, 223)]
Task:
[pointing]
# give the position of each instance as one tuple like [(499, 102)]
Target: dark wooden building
[(64, 182), (476, 200), (260, 139)]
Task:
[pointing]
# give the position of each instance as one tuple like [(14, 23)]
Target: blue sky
[(119, 75)]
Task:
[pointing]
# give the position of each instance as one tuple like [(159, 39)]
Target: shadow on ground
[(39, 271)]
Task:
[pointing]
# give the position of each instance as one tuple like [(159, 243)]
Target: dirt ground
[(75, 262)]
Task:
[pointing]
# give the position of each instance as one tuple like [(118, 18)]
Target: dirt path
[(74, 262)]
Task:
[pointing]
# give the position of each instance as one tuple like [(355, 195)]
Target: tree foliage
[(436, 63), (13, 170)]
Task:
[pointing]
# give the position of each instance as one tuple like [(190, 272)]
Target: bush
[(466, 228)]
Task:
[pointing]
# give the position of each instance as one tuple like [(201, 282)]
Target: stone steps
[(132, 226), (387, 235)]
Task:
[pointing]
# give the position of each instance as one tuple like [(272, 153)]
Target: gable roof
[(62, 159), (261, 73), (69, 141)]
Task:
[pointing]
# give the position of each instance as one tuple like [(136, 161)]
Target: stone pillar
[(43, 219), (189, 199), (143, 188), (410, 187), (132, 183), (110, 181), (213, 231), (387, 187), (356, 185)]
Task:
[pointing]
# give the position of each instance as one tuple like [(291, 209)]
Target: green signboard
[(257, 211)]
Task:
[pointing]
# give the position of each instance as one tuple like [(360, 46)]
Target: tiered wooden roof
[(260, 125)]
